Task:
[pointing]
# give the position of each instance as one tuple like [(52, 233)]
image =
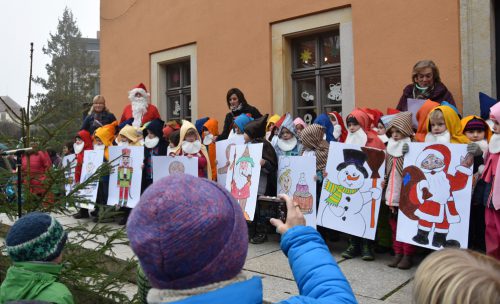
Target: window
[(178, 91), (316, 74)]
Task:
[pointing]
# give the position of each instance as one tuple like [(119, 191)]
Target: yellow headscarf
[(273, 119), (106, 134), (453, 125), (466, 119), (185, 127)]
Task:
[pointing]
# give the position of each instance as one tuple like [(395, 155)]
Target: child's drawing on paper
[(285, 182), (241, 180), (176, 167), (351, 193), (225, 166), (125, 172), (432, 198), (69, 165), (223, 149), (89, 171), (303, 196)]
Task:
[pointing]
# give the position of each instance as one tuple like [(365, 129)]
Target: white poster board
[(413, 106), (296, 178), (167, 165), (125, 178), (243, 176), (92, 160), (434, 207), (222, 149), (351, 191), (69, 165)]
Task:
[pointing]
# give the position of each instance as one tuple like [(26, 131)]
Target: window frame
[(183, 91)]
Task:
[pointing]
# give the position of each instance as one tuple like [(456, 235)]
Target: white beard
[(287, 145), (139, 108), (208, 139), (494, 145), (357, 138), (151, 142), (191, 147), (170, 150), (439, 186), (337, 131), (78, 147), (99, 147), (395, 148), (383, 138), (443, 138), (123, 144), (240, 178)]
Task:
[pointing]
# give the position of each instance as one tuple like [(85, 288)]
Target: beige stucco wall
[(233, 45)]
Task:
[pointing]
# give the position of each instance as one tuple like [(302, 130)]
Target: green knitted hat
[(35, 237)]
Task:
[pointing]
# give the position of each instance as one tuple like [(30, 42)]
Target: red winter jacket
[(39, 164), (152, 113)]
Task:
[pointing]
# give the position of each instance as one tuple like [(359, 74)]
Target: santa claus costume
[(80, 148), (491, 194), (437, 208), (139, 111)]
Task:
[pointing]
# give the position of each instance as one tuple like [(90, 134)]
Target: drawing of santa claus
[(429, 189), (242, 179)]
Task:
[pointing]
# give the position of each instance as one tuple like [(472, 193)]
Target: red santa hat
[(440, 151), (140, 88)]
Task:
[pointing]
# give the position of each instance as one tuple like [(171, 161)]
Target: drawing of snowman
[(346, 200)]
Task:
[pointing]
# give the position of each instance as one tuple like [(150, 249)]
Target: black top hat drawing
[(356, 158)]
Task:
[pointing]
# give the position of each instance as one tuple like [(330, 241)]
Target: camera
[(272, 207)]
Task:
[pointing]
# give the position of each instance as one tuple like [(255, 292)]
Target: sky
[(25, 21)]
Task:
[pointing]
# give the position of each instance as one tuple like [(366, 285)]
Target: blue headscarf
[(485, 103), (242, 120), (199, 124), (324, 121)]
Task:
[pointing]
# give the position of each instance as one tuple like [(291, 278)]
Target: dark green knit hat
[(35, 237)]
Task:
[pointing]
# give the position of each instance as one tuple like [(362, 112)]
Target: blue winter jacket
[(318, 276)]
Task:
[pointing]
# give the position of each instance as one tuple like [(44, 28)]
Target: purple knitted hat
[(188, 232)]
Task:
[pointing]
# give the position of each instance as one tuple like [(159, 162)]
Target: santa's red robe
[(151, 113), (441, 215)]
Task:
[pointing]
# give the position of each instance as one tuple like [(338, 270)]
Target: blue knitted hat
[(242, 120), (35, 237), (188, 232)]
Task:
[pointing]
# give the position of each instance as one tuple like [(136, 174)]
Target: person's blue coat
[(318, 276), (324, 121)]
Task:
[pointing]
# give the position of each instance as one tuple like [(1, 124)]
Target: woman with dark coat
[(237, 103), (98, 115), (426, 84)]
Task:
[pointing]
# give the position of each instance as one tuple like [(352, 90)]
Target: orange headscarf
[(453, 125), (422, 115), (365, 122), (212, 126)]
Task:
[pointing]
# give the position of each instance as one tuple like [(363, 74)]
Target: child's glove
[(406, 148), (474, 149)]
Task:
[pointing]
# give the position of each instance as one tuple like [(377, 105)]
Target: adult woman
[(237, 103), (98, 115), (426, 84)]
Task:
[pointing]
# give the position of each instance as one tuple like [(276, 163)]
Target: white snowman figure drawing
[(347, 199)]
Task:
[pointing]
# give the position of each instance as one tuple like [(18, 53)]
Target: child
[(324, 121), (381, 131), (299, 125), (190, 145), (209, 136), (83, 142), (477, 131), (288, 143), (360, 133), (173, 142), (103, 139), (491, 193), (154, 145), (128, 136), (271, 123), (444, 127), (339, 130), (400, 132), (35, 243), (422, 119), (457, 276), (255, 131), (239, 125)]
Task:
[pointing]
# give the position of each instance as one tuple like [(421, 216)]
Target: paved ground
[(372, 282)]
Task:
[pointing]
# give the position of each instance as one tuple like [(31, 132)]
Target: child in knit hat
[(288, 143), (254, 133), (400, 133), (190, 237), (477, 131), (35, 243), (491, 191)]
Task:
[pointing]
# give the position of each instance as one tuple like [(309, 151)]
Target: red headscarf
[(340, 121), (365, 122)]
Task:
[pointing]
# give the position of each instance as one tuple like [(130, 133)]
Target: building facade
[(303, 57)]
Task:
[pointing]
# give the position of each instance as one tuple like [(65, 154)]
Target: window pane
[(173, 107), (328, 109), (173, 76), (332, 90), (308, 115), (306, 54), (306, 91), (187, 105), (186, 71), (330, 49)]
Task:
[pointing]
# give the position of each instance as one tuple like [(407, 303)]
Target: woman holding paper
[(426, 84)]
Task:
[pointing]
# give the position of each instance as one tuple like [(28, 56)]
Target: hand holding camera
[(294, 216)]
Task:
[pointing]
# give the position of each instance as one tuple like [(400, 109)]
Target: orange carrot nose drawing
[(352, 178)]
